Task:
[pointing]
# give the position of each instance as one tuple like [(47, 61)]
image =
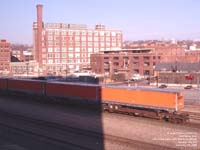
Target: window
[(64, 55), (71, 55), (89, 49), (96, 33), (83, 33), (57, 49), (57, 61), (89, 44), (113, 33), (70, 32), (57, 55), (136, 71), (146, 64), (102, 33), (77, 49), (50, 49), (64, 49), (77, 55), (63, 32), (50, 55), (77, 38), (89, 38), (50, 61), (89, 32), (83, 38), (135, 63), (96, 38), (146, 57), (77, 33), (116, 64), (50, 38), (64, 61)]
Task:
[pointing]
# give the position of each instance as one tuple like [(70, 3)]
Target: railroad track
[(66, 136), (193, 115)]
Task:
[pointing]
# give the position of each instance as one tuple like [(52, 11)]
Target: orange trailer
[(146, 98)]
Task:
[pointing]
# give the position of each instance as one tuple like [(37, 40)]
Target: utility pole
[(27, 69)]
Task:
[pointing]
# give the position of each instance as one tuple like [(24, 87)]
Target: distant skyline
[(138, 19)]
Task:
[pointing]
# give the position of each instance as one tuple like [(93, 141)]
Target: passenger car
[(163, 86), (188, 87)]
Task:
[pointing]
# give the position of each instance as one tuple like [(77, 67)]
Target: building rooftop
[(137, 50)]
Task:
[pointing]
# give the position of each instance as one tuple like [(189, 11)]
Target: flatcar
[(152, 103)]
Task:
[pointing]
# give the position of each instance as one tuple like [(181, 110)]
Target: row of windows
[(61, 68), (78, 44), (75, 32), (64, 55), (127, 63), (83, 38), (77, 49), (5, 50), (64, 61), (135, 57)]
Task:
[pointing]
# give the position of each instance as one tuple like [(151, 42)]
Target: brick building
[(21, 55), (172, 53), (4, 57), (132, 61), (60, 47), (17, 55), (24, 69)]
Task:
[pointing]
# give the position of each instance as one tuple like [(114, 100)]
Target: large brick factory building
[(63, 47)]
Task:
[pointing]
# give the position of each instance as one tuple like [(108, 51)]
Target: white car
[(136, 77)]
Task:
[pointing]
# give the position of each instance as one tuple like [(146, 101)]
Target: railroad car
[(26, 86), (3, 84), (85, 92), (170, 100), (152, 103)]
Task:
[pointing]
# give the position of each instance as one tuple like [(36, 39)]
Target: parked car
[(188, 87), (163, 86), (136, 77)]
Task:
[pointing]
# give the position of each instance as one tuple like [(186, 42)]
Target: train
[(163, 104)]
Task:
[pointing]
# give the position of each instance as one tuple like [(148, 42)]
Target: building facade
[(132, 61), (24, 69), (60, 47), (5, 55)]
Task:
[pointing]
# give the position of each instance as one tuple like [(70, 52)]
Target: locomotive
[(152, 103)]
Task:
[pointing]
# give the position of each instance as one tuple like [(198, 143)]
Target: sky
[(137, 19)]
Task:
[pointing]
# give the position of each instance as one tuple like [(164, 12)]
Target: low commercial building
[(178, 73), (25, 69)]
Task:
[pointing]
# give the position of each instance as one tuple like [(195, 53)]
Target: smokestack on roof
[(39, 35), (39, 13)]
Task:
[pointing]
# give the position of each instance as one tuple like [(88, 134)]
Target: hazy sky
[(138, 19)]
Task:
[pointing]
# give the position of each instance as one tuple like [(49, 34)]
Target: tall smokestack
[(39, 34)]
